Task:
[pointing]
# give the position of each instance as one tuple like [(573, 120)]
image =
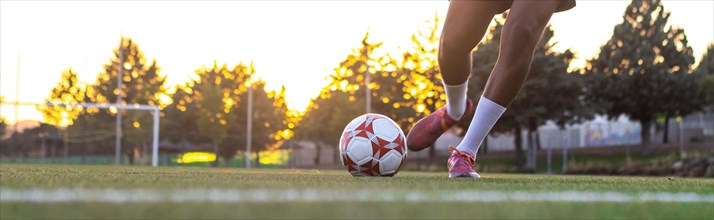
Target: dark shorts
[(564, 6)]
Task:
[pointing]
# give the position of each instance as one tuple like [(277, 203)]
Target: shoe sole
[(465, 175)]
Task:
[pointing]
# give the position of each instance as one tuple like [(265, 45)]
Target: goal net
[(84, 133)]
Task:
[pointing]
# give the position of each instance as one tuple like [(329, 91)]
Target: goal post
[(154, 110)]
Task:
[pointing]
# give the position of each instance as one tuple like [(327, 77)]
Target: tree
[(91, 128), (213, 114), (141, 84), (213, 108), (215, 94), (178, 122), (423, 87), (67, 90), (326, 117), (705, 70), (3, 127), (269, 119), (3, 141), (642, 71), (358, 69), (682, 93), (549, 93)]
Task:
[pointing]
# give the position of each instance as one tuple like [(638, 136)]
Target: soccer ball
[(372, 145)]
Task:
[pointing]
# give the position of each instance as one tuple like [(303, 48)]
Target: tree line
[(644, 71), (210, 110)]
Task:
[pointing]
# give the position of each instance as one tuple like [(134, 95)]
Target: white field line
[(318, 195)]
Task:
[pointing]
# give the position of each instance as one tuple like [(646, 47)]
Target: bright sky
[(293, 43)]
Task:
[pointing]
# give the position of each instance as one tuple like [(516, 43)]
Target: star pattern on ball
[(370, 169), (380, 147)]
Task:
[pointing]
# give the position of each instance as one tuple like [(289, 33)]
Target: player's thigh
[(524, 27), (530, 16), (467, 21)]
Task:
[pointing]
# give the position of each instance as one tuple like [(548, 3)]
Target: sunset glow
[(292, 44)]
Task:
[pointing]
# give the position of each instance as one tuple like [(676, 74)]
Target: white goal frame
[(152, 108)]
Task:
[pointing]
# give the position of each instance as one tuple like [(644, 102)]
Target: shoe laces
[(464, 154)]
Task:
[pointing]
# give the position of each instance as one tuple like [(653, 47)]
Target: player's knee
[(523, 33), (518, 42), (450, 49)]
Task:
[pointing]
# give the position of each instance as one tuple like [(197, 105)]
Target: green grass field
[(193, 193)]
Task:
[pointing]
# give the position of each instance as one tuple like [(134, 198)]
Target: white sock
[(456, 99), (487, 113)]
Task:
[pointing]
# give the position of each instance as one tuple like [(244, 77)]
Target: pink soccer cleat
[(461, 164), (428, 129)]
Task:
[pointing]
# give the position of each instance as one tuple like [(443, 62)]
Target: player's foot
[(428, 129), (461, 164)]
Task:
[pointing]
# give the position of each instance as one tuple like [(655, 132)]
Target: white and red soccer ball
[(372, 145)]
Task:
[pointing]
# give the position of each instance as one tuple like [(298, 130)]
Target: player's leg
[(465, 25), (521, 32)]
